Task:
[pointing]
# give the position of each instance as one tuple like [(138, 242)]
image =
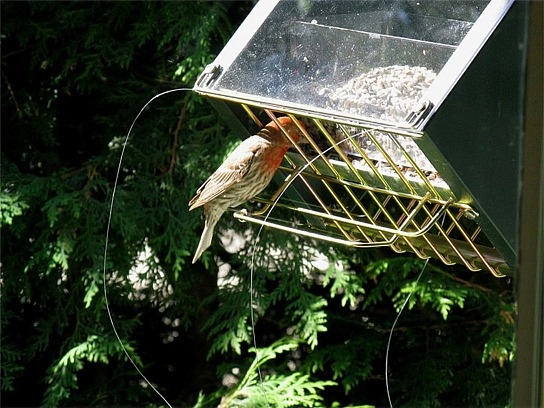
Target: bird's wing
[(230, 172)]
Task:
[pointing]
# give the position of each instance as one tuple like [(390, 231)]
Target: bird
[(244, 174)]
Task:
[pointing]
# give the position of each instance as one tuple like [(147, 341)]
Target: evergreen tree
[(74, 75)]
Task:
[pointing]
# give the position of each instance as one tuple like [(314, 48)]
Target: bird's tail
[(212, 216)]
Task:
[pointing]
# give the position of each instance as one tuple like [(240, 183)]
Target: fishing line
[(110, 213), (395, 323), (252, 267), (391, 333), (252, 262)]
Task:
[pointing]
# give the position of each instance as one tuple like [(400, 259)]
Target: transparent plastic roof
[(372, 60)]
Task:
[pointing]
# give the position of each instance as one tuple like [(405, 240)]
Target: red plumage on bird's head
[(244, 173), (288, 126)]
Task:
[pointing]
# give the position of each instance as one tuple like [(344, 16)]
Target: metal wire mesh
[(367, 187)]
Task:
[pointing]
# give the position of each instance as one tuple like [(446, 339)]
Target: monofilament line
[(252, 262), (395, 323), (108, 226), (391, 334)]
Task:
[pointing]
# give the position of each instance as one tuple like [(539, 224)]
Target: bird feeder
[(412, 115)]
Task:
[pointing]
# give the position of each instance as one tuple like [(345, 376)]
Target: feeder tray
[(405, 145)]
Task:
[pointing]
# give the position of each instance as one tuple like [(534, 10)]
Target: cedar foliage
[(74, 75)]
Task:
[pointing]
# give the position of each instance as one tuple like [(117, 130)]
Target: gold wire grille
[(348, 187)]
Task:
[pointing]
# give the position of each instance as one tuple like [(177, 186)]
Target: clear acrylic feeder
[(412, 121)]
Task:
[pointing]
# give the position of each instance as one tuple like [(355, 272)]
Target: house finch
[(243, 175)]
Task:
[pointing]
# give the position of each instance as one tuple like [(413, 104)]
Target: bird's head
[(288, 126)]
